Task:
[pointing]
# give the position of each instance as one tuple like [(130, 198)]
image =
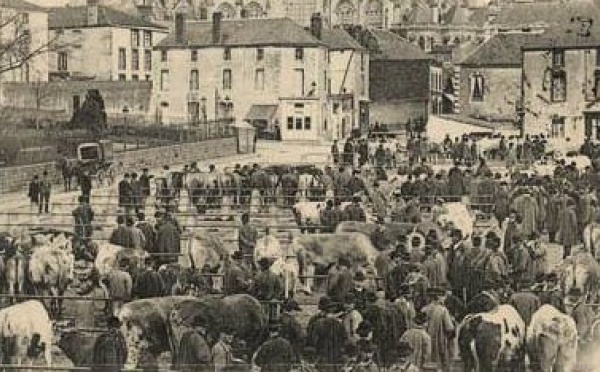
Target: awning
[(261, 112)]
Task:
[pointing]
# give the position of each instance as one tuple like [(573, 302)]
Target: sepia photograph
[(300, 185)]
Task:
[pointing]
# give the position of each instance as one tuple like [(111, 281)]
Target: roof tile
[(76, 17), (501, 50)]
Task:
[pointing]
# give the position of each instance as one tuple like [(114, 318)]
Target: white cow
[(28, 325), (459, 216), (285, 261), (552, 340)]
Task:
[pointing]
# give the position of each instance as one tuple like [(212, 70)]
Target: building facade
[(25, 42), (102, 43), (561, 88), (272, 73)]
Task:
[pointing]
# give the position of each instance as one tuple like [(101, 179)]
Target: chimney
[(92, 12), (180, 22), (316, 25), (216, 27)]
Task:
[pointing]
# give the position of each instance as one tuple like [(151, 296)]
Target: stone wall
[(14, 179)]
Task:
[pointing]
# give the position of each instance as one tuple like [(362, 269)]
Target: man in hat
[(351, 318), (236, 279), (496, 268), (329, 218), (193, 353), (340, 280), (267, 285), (328, 338), (148, 283), (354, 212), (125, 194), (403, 302), (567, 227), (149, 233), (440, 328), (247, 237), (121, 235), (83, 216), (110, 348), (168, 240), (435, 265), (420, 341), (359, 291), (525, 301), (551, 292), (398, 273), (276, 354), (145, 186), (222, 354), (291, 329)]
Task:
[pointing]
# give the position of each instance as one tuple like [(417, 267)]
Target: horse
[(68, 170)]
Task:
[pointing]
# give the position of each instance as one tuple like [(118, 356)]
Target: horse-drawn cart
[(91, 158)]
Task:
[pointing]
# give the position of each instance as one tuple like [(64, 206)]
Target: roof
[(500, 50), (393, 47), (22, 5), (76, 17), (567, 38), (338, 39), (520, 15), (261, 112), (245, 32)]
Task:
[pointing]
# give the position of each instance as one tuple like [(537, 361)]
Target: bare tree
[(17, 50)]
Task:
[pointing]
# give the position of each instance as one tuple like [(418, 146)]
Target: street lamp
[(125, 112)]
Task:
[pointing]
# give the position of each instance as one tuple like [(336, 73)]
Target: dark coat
[(328, 337), (193, 353), (122, 236), (168, 238), (125, 193), (85, 182), (83, 215), (339, 284), (149, 235), (110, 352), (145, 185), (235, 280), (148, 284), (34, 191), (275, 355), (268, 287), (354, 212)]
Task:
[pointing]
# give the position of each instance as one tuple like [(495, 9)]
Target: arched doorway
[(254, 10), (345, 13), (227, 10), (374, 14)]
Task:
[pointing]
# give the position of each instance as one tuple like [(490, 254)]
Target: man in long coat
[(340, 281), (125, 194), (110, 349), (567, 227), (168, 240), (83, 215), (528, 209), (121, 235), (455, 181), (328, 337), (552, 212), (193, 353), (440, 328)]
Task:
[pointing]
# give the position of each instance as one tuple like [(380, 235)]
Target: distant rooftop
[(22, 6), (500, 50), (77, 17)]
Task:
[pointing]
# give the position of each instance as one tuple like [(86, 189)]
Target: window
[(135, 77), (307, 123), (299, 82), (135, 60), (290, 123), (558, 127), (148, 39), (194, 56), (227, 79), (362, 62), (163, 56), (164, 80), (194, 80), (558, 58), (298, 123), (477, 88), (260, 54), (299, 54), (592, 125), (194, 112), (227, 54), (148, 60), (62, 62), (122, 77), (25, 18), (259, 79), (559, 86), (148, 77), (596, 84), (122, 59), (135, 38)]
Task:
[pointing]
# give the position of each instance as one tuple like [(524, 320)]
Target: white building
[(270, 72), (102, 43), (25, 42)]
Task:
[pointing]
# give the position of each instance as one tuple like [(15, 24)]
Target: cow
[(286, 261), (150, 321), (25, 333), (552, 340), (50, 272), (492, 341), (458, 216), (108, 256), (308, 213), (206, 252), (582, 271), (381, 235)]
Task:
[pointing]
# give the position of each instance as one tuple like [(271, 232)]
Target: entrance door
[(76, 103), (592, 125)]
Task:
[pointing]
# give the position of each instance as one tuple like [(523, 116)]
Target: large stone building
[(490, 79), (25, 42), (274, 73), (102, 43), (561, 86)]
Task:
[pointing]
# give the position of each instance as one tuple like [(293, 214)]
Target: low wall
[(15, 179)]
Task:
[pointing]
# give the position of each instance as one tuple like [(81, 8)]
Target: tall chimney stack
[(216, 27), (92, 12), (316, 25), (180, 22)]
